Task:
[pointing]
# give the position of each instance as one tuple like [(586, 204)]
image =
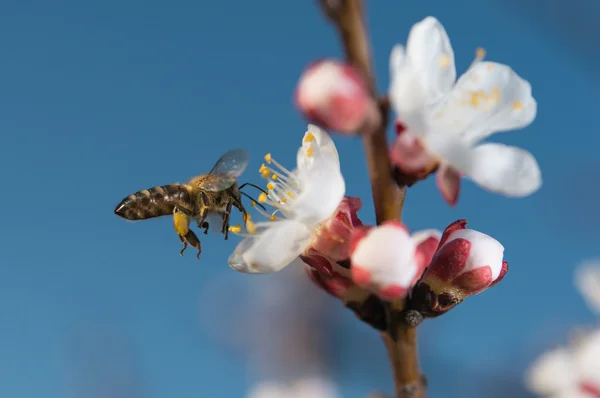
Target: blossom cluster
[(573, 371), (440, 125)]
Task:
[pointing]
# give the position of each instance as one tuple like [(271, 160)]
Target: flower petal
[(384, 259), (448, 182), (488, 98), (552, 373), (429, 51), (409, 155), (322, 190), (504, 169), (587, 280), (316, 145), (272, 249)]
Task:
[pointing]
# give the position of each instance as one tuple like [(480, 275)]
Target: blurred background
[(101, 99)]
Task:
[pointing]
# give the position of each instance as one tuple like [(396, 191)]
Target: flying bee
[(213, 193)]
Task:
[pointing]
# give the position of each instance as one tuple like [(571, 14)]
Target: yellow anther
[(265, 174), (270, 186), (444, 61), (263, 168), (268, 158), (262, 198), (475, 97), (273, 218), (309, 137), (235, 229), (309, 151), (253, 204), (251, 227), (517, 105), (480, 53), (274, 176), (283, 200), (290, 194)]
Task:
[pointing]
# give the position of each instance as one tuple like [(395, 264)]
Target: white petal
[(488, 98), (430, 53), (420, 236), (387, 252), (314, 388), (552, 373), (586, 355), (268, 389), (587, 280), (504, 169), (321, 191), (397, 60), (271, 249), (321, 146), (485, 250)]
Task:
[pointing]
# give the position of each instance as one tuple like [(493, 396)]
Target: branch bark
[(388, 197)]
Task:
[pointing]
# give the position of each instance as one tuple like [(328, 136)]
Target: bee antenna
[(253, 200), (252, 185)]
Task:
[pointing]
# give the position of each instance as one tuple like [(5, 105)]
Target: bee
[(216, 192)]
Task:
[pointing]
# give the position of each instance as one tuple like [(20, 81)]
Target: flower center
[(282, 188)]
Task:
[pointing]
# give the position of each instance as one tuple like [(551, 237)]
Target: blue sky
[(101, 99)]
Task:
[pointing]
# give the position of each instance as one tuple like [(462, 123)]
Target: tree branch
[(388, 197)]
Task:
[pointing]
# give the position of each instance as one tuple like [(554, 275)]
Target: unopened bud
[(335, 96), (466, 263), (388, 261)]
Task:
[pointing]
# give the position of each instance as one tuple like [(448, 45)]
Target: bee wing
[(227, 169)]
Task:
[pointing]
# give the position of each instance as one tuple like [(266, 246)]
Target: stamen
[(251, 227), (290, 194), (479, 56), (268, 158), (309, 137), (274, 176), (253, 204), (283, 200), (235, 229), (444, 61), (262, 198), (273, 218), (270, 186)]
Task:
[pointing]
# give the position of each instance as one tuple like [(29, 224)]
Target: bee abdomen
[(154, 202)]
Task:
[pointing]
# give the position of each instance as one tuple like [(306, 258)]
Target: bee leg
[(225, 228), (205, 226), (193, 240), (185, 245)]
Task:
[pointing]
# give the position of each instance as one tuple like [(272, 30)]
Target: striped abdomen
[(155, 202)]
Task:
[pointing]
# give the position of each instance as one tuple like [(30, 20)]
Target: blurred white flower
[(443, 121), (573, 371), (302, 199), (302, 388), (587, 280)]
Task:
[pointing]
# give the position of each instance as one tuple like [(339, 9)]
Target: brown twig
[(388, 197)]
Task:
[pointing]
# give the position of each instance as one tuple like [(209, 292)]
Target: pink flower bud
[(332, 237), (335, 284), (335, 96), (466, 263), (387, 260)]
